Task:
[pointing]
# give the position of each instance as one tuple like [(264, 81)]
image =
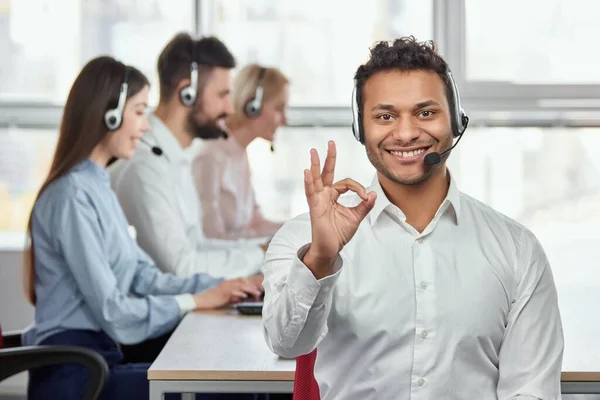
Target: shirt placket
[(424, 345)]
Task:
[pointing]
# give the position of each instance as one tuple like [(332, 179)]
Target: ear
[(183, 83)]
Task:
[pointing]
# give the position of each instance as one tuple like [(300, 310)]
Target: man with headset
[(410, 288), (156, 188)]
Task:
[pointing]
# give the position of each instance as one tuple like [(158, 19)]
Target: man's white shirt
[(159, 199), (467, 309)]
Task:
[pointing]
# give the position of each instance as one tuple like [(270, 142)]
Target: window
[(548, 41), (318, 44), (25, 158), (40, 64)]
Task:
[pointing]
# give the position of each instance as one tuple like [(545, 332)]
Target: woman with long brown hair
[(90, 283)]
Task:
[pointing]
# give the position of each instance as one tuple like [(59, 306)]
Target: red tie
[(305, 385)]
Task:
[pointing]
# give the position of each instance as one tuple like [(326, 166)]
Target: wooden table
[(219, 352), (225, 352), (580, 383)]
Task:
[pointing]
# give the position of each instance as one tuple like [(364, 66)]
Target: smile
[(409, 154)]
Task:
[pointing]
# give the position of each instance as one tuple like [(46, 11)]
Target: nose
[(406, 130), (145, 124)]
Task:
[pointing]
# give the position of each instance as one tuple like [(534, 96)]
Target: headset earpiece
[(113, 118), (189, 92), (356, 116), (459, 119), (254, 105)]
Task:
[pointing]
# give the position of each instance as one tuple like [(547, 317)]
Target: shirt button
[(424, 334), (421, 382), (326, 289), (424, 285), (420, 240)]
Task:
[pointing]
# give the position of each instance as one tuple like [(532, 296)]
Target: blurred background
[(527, 71)]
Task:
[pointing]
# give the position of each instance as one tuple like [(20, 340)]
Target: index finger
[(329, 166), (350, 184)]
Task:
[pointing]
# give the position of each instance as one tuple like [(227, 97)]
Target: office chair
[(305, 385), (15, 358)]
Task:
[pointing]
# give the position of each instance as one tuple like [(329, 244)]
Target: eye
[(385, 117), (426, 113)]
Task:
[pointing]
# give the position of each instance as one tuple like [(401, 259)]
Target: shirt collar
[(452, 200), (167, 142), (95, 169)]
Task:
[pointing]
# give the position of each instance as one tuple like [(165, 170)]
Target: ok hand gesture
[(332, 224)]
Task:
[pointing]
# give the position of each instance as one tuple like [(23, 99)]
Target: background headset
[(114, 116), (458, 118), (254, 105), (188, 94)]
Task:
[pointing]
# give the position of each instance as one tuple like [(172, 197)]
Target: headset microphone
[(155, 149), (436, 158)]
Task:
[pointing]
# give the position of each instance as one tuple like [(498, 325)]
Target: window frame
[(507, 103), (486, 103)]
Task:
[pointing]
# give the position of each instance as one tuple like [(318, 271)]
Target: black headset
[(254, 105), (459, 119), (113, 118), (188, 94)]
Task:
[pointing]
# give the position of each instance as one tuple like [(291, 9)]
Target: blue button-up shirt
[(90, 273)]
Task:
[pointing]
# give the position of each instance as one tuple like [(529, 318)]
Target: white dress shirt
[(158, 197), (467, 309)]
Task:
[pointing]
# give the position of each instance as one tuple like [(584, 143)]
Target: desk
[(219, 352), (224, 352), (580, 383)]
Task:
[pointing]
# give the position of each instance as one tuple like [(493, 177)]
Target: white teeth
[(407, 154)]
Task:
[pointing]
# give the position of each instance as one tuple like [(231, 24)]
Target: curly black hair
[(403, 54)]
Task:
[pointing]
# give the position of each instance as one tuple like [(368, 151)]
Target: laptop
[(250, 307)]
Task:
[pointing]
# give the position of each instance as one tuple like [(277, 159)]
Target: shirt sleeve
[(532, 347), (296, 305), (148, 197), (124, 318), (149, 280)]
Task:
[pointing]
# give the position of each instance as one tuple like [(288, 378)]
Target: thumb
[(362, 209)]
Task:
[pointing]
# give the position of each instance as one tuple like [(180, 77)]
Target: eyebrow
[(383, 107), (141, 103), (418, 106), (427, 103)]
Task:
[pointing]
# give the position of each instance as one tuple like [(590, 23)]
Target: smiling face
[(214, 105), (123, 142), (405, 116)]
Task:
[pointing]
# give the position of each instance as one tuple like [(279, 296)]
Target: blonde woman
[(221, 169)]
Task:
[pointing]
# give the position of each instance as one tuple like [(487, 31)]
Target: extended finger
[(237, 293), (309, 185), (315, 170), (329, 166), (350, 184)]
